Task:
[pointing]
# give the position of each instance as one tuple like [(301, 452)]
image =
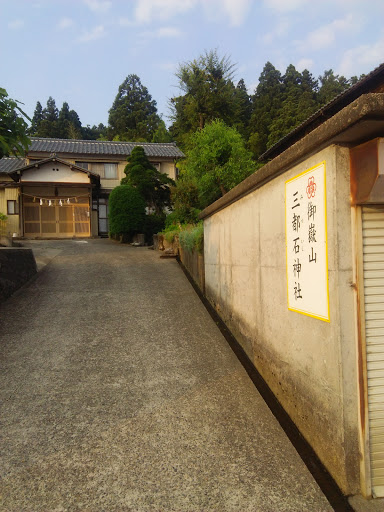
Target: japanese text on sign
[(306, 243)]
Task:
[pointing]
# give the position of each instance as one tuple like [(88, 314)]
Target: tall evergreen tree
[(63, 121), (36, 120), (133, 115), (161, 134), (243, 109), (75, 125), (299, 102), (208, 93), (49, 124), (266, 105), (331, 86)]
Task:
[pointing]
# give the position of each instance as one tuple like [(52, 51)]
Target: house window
[(110, 171), (12, 207), (84, 165)]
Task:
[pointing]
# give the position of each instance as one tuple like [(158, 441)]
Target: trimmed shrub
[(126, 212)]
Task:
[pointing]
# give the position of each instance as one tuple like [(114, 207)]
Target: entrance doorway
[(103, 216), (56, 220)]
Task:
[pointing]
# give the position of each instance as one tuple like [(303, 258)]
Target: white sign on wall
[(306, 243)]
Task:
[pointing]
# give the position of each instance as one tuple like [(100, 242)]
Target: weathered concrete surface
[(119, 393), (17, 266)]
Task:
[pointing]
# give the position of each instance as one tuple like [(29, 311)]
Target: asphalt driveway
[(119, 393)]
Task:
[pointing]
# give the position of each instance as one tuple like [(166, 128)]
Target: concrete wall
[(17, 266), (309, 364), (193, 261)]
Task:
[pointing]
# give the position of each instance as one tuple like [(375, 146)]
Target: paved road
[(119, 393)]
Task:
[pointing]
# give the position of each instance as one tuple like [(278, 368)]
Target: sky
[(80, 51)]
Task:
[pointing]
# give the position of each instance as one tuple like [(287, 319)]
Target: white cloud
[(99, 6), (252, 87), (160, 33), (280, 30), (168, 32), (362, 58), (126, 22), (92, 35), (65, 23), (325, 36), (167, 66), (16, 24), (149, 10), (235, 10), (284, 6), (304, 64)]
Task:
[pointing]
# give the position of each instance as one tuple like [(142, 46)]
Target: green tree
[(208, 93), (133, 115), (243, 109), (126, 212), (13, 128), (98, 132), (75, 128), (266, 105), (217, 161), (331, 86), (49, 124), (161, 134), (152, 184), (63, 122), (299, 102), (36, 119), (185, 202)]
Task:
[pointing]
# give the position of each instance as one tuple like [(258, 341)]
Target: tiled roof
[(9, 164), (101, 147)]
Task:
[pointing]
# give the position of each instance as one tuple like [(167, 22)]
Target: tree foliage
[(152, 185), (133, 115), (13, 128), (161, 133), (126, 212), (209, 93), (217, 161)]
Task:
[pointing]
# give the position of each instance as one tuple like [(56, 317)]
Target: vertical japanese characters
[(306, 243)]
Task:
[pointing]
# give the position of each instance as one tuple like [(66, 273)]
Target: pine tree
[(331, 86), (49, 124), (266, 105), (152, 184), (36, 120), (299, 102), (161, 134), (209, 93), (243, 109), (64, 121), (133, 115)]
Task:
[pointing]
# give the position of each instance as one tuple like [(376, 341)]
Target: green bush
[(191, 237), (153, 224), (126, 212), (170, 232), (3, 216)]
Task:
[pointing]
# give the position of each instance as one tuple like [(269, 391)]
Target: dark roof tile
[(9, 164), (101, 147)]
